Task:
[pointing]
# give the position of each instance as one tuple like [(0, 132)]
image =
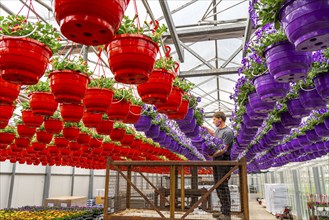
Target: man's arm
[(211, 132)]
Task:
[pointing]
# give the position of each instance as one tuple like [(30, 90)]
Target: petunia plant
[(77, 64), (102, 82)]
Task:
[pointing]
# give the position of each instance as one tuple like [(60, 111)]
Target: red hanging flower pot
[(31, 120), (71, 133), (53, 125), (8, 92), (131, 57), (22, 142), (38, 147), (181, 112), (98, 100), (105, 127), (6, 111), (84, 138), (6, 138), (44, 137), (23, 60), (71, 112), (43, 103), (173, 103), (95, 142), (117, 134), (118, 110), (158, 88), (24, 131), (107, 147), (91, 120), (90, 22), (133, 114), (127, 139), (68, 86), (74, 146), (61, 142)]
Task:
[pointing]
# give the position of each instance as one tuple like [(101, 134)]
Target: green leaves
[(183, 84), (268, 11), (76, 64), (39, 87), (123, 94), (18, 25), (102, 82)]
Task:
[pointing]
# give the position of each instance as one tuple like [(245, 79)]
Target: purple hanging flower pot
[(194, 133), (320, 146), (242, 142), (285, 63), (296, 109), (272, 135), (311, 100), (268, 141), (306, 23), (280, 129), (268, 89), (312, 136), (144, 123), (288, 121), (188, 127), (161, 137), (258, 105), (303, 140), (249, 131), (249, 123), (321, 83), (166, 142), (153, 132), (321, 130), (253, 115), (295, 144)]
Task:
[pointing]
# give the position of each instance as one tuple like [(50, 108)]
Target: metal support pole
[(11, 188), (72, 181), (272, 177), (46, 184), (107, 184), (91, 184), (316, 178), (281, 177), (172, 191), (128, 198), (298, 199)]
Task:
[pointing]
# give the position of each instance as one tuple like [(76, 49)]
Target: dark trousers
[(223, 192)]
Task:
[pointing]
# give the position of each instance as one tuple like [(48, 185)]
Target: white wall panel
[(60, 186), (4, 190), (81, 184)]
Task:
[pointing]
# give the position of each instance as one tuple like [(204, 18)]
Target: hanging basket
[(98, 100), (53, 126), (173, 103), (24, 131), (61, 142), (8, 92), (286, 64), (68, 86), (84, 139), (90, 22), (321, 83), (132, 57), (105, 127), (43, 103), (71, 133), (118, 110), (91, 120), (181, 112), (306, 23), (44, 137), (23, 60), (6, 111), (268, 89), (117, 134), (31, 120), (71, 112), (158, 88), (6, 138), (133, 114)]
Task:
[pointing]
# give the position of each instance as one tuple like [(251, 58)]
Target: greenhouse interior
[(164, 109)]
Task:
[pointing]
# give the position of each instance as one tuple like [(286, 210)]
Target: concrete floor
[(256, 211)]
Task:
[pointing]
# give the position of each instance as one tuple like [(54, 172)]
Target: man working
[(226, 135)]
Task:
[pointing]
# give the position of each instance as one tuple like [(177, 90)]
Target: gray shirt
[(227, 137)]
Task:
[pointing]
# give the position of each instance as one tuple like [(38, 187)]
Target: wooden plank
[(172, 191), (244, 188), (182, 186), (142, 218), (175, 163), (128, 198)]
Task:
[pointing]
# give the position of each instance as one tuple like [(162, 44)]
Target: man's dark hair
[(220, 115)]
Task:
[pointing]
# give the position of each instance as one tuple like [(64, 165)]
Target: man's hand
[(211, 132)]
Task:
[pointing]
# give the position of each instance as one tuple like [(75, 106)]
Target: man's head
[(219, 119)]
